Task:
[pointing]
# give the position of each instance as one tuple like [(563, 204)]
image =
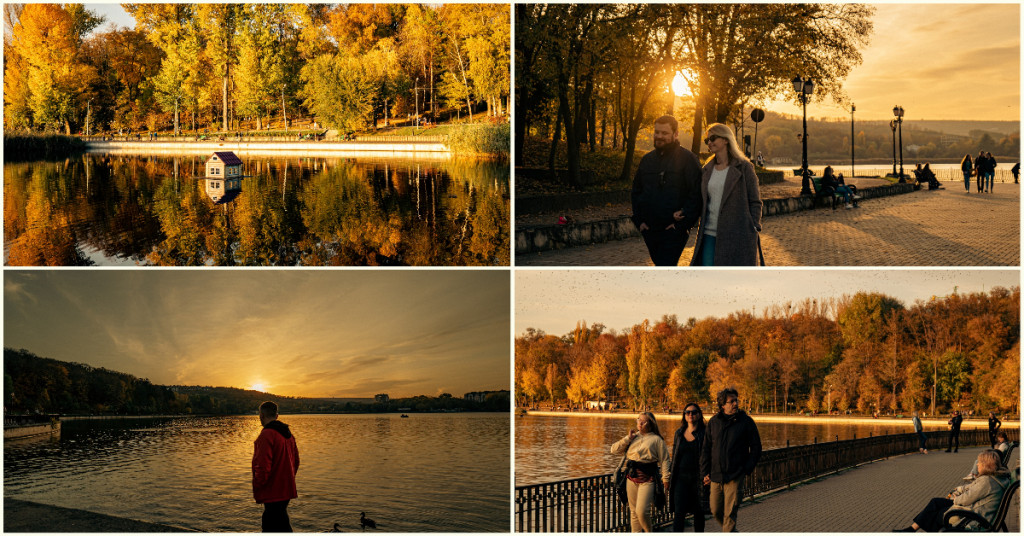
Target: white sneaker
[(855, 196), (848, 205)]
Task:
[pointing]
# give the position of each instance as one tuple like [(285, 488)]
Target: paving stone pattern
[(875, 497), (924, 228)]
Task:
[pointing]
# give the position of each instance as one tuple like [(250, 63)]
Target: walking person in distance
[(687, 488), (921, 438), (275, 460), (647, 469), (728, 234), (732, 447), (954, 431), (967, 167), (994, 424)]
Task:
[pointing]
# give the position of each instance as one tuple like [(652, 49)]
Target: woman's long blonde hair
[(723, 131)]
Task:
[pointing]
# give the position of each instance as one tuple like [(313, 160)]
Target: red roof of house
[(228, 158)]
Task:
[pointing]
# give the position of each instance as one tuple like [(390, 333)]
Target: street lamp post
[(804, 87), (853, 141), (898, 112), (892, 125)]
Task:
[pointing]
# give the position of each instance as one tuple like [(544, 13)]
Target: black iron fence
[(590, 504)]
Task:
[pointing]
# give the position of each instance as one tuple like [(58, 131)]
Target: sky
[(938, 61), (553, 301), (323, 333)]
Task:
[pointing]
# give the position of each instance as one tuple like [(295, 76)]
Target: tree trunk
[(592, 120), (177, 131), (224, 99), (521, 130), (554, 142), (284, 113)]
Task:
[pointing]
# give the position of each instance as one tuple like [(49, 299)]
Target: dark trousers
[(921, 438), (981, 182), (930, 519), (686, 499), (954, 439), (666, 245), (275, 517), (992, 437)]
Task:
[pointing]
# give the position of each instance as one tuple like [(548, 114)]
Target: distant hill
[(39, 384)]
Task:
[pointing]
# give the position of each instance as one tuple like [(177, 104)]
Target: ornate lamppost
[(804, 88), (853, 141), (898, 112), (892, 125)]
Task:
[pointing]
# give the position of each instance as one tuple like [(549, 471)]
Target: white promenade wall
[(419, 151)]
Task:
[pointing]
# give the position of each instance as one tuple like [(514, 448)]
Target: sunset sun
[(262, 387)]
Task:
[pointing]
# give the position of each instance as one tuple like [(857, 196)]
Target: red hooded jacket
[(275, 461)]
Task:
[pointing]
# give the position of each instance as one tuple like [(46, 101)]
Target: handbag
[(619, 478), (660, 498)]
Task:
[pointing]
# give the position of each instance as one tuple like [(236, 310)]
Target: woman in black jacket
[(686, 487)]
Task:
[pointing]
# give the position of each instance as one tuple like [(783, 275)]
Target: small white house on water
[(223, 164)]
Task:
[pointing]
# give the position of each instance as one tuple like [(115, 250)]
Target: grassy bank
[(480, 138), (27, 147)]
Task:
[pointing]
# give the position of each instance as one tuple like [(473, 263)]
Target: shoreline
[(29, 516), (428, 150), (823, 419)]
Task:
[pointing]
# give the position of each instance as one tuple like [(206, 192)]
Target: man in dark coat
[(275, 460), (666, 194), (954, 434), (732, 447)]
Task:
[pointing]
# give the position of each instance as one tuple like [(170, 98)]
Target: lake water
[(98, 209), (429, 472), (550, 448)]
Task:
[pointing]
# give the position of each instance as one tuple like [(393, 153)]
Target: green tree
[(338, 90)]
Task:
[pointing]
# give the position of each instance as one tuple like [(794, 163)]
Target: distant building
[(597, 404), (382, 398), (224, 164)]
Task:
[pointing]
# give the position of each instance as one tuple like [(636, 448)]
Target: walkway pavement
[(924, 228), (876, 497)]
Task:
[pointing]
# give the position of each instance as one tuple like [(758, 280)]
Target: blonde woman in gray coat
[(731, 220)]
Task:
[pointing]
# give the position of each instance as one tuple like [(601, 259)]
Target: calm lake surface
[(99, 209), (429, 472), (550, 448)]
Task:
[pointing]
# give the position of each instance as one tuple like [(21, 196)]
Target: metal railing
[(590, 504)]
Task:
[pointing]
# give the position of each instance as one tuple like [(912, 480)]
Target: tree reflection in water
[(111, 209)]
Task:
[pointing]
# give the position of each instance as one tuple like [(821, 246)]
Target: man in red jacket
[(275, 461)]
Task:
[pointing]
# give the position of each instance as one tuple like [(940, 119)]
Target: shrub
[(26, 147), (480, 139)]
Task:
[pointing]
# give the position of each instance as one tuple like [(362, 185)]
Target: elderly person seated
[(1002, 444), (982, 495)]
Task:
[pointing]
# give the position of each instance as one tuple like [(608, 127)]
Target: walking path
[(924, 228), (876, 497)]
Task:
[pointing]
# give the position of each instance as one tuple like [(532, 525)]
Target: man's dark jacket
[(667, 180), (732, 447), (956, 421)]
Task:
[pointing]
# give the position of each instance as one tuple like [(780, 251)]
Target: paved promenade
[(876, 497), (923, 228)]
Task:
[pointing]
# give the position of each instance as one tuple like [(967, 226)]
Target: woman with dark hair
[(647, 466), (990, 177), (731, 216), (980, 169), (686, 489), (967, 166), (829, 179)]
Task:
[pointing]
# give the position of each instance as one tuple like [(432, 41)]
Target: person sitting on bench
[(829, 179), (981, 495)]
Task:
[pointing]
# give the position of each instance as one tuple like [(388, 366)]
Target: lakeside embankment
[(968, 424), (418, 151), (28, 516)]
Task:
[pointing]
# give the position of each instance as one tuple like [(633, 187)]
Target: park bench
[(998, 523), (1009, 452), (825, 192)]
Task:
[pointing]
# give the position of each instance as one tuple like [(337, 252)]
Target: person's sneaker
[(855, 196), (849, 205)]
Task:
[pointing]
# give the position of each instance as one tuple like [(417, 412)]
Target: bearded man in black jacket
[(666, 194), (732, 447)]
